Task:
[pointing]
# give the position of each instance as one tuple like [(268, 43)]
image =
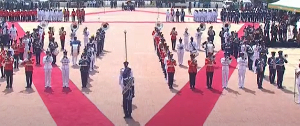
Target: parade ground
[(154, 104)]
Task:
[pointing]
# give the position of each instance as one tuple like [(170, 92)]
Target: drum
[(55, 52)]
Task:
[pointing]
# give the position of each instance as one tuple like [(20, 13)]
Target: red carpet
[(191, 108), (67, 107)]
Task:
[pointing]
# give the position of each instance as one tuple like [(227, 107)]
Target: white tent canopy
[(288, 5)]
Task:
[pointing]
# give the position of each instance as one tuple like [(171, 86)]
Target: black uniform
[(272, 68), (280, 60), (260, 68), (128, 91), (38, 50), (84, 70)]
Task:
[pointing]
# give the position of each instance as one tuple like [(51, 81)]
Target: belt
[(170, 65)]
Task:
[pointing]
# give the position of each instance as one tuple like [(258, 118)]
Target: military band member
[(298, 82), (13, 33), (86, 34), (192, 47), (28, 64), (21, 50), (53, 49), (75, 47), (126, 82), (2, 58), (171, 63), (100, 46), (255, 55), (38, 49), (65, 69), (47, 60), (8, 69), (242, 66), (272, 67), (180, 51), (280, 60), (91, 54), (209, 63), (208, 47), (198, 37), (15, 47), (84, 70), (192, 71), (62, 36), (173, 37), (225, 61), (211, 34), (260, 65)]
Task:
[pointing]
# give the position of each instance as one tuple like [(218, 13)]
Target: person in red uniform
[(209, 63), (68, 15), (154, 37), (15, 47), (73, 15), (79, 16), (62, 34), (22, 15), (162, 59), (171, 63), (21, 50), (2, 57), (50, 33), (8, 69), (82, 15), (28, 64), (173, 37), (192, 71)]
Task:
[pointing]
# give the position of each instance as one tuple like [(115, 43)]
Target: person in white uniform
[(26, 43), (244, 49), (225, 61), (186, 36), (13, 32), (47, 15), (195, 16), (242, 66), (168, 16), (198, 37), (61, 15), (86, 34), (65, 69), (209, 47), (226, 35), (255, 55), (180, 51), (192, 47), (47, 60), (298, 82)]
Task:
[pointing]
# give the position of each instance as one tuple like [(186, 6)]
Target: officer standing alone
[(126, 82)]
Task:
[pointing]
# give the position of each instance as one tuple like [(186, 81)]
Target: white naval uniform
[(205, 16), (41, 32), (92, 63), (48, 70), (210, 48), (180, 52), (166, 66), (242, 66), (215, 16), (244, 50), (61, 16), (65, 71), (47, 18), (225, 71), (186, 36), (26, 42), (86, 37), (226, 36), (74, 53), (196, 16), (298, 84), (209, 16), (255, 56), (168, 16), (200, 15), (198, 37), (13, 33), (193, 48)]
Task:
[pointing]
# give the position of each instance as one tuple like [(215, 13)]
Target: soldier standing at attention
[(192, 71), (8, 69), (280, 60), (84, 70), (126, 82), (260, 64), (209, 62), (47, 60), (272, 67), (171, 63), (28, 64), (65, 69)]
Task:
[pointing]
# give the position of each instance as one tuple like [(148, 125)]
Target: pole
[(157, 13), (295, 86), (125, 46)]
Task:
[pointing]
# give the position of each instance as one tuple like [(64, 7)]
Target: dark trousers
[(280, 74), (21, 55), (62, 44), (101, 45), (250, 62), (272, 74), (9, 78), (54, 59), (28, 78), (2, 72), (170, 79), (16, 62), (259, 78), (154, 43), (173, 43), (38, 58), (209, 78), (164, 69), (192, 80), (127, 105), (84, 78)]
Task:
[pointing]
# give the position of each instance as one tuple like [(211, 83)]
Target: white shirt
[(121, 77), (167, 13), (87, 34), (224, 62), (13, 31), (198, 35), (65, 62), (47, 63), (192, 46), (210, 47), (180, 46), (242, 63), (186, 34)]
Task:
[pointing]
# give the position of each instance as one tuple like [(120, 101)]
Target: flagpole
[(125, 32)]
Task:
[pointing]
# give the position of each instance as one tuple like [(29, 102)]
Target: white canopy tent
[(288, 5)]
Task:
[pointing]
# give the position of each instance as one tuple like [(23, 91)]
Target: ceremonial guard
[(86, 34), (126, 81), (100, 46), (280, 60), (47, 60), (192, 47), (211, 34), (209, 63), (51, 33), (225, 61), (298, 81), (22, 49), (260, 65), (171, 63), (250, 53), (8, 69), (15, 47), (91, 54), (5, 35), (38, 49), (272, 67), (13, 33), (75, 47), (242, 66), (168, 16), (53, 49), (192, 71), (180, 51), (62, 36), (84, 70), (2, 58), (28, 64), (255, 55), (173, 37), (65, 69), (186, 36), (198, 37)]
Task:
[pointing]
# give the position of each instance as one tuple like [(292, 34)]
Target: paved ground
[(235, 107)]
